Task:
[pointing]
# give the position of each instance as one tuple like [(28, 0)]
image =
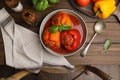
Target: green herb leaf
[(53, 29), (107, 45), (42, 5), (64, 27), (61, 28)]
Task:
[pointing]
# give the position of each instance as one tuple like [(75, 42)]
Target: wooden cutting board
[(88, 10)]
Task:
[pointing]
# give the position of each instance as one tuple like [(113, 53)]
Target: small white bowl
[(83, 25)]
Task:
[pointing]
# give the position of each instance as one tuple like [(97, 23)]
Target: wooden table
[(94, 56)]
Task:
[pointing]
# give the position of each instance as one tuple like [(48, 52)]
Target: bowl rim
[(45, 20)]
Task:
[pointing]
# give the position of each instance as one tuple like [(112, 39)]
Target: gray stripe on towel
[(6, 21)]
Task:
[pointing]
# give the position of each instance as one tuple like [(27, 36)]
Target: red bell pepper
[(70, 39)]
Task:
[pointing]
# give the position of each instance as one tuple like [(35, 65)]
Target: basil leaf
[(64, 27), (42, 5), (53, 29), (107, 45)]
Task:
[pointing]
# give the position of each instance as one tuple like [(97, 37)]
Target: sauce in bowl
[(76, 25)]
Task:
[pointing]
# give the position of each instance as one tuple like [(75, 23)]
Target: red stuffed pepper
[(70, 39)]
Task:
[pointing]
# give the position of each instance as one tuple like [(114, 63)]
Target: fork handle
[(99, 73)]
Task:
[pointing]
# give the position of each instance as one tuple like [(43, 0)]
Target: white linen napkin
[(23, 49)]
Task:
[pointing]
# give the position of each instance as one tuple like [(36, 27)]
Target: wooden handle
[(19, 75), (98, 72)]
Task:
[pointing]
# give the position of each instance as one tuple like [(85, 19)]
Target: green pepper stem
[(97, 13)]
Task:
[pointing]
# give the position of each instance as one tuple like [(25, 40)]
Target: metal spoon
[(99, 27)]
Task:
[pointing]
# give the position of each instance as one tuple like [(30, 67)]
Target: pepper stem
[(97, 13)]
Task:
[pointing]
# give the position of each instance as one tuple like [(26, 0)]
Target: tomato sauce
[(76, 25)]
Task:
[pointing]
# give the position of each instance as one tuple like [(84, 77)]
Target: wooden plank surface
[(112, 70), (94, 55), (52, 7)]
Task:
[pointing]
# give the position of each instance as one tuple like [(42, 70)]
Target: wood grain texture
[(112, 70), (52, 7), (94, 56)]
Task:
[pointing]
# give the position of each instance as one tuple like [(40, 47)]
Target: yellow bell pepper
[(104, 8)]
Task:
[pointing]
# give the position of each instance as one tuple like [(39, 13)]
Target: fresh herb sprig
[(61, 28), (41, 5)]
